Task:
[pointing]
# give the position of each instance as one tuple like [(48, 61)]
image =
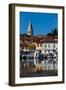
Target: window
[(54, 46), (22, 47), (48, 51), (26, 47), (23, 40), (45, 45), (29, 32), (49, 45), (40, 45), (36, 61)]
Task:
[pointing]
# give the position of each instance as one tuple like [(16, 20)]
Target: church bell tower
[(30, 31)]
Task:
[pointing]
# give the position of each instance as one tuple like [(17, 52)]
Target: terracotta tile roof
[(40, 39)]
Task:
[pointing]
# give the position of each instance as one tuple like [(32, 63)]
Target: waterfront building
[(33, 45), (50, 45)]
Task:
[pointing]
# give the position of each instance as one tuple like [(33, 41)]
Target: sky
[(42, 23)]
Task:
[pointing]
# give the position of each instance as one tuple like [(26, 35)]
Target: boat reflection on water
[(36, 64)]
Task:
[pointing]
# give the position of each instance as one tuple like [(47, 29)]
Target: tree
[(49, 34), (53, 32)]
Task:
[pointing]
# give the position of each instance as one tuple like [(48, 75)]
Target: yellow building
[(38, 46), (27, 47)]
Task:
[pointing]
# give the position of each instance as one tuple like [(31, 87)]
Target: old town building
[(47, 45)]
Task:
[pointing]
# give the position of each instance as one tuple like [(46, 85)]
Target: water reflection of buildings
[(40, 51)]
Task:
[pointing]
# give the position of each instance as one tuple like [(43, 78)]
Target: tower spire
[(30, 32)]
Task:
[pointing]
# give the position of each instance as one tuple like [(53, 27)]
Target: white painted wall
[(4, 45), (50, 48)]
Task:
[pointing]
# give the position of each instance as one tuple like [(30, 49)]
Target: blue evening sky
[(42, 23)]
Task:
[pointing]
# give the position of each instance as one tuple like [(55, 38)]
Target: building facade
[(49, 47), (42, 51)]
